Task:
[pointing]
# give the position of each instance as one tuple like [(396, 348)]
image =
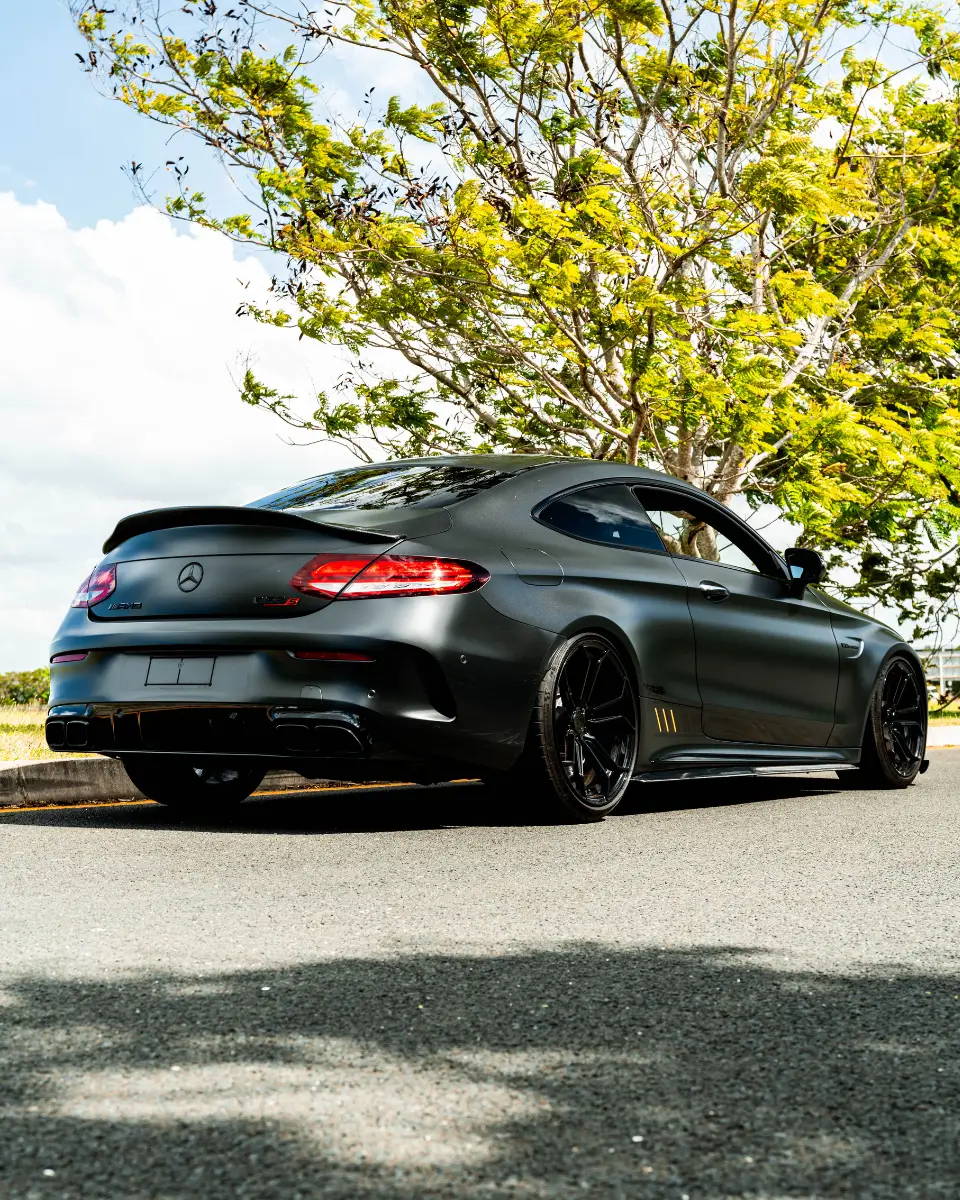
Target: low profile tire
[(192, 788), (582, 746), (895, 737)]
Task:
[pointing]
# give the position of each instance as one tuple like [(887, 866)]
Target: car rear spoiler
[(177, 518)]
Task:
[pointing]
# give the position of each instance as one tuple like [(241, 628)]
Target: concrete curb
[(943, 735), (91, 779)]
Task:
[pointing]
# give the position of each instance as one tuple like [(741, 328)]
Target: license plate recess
[(172, 671)]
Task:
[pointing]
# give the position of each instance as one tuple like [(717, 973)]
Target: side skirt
[(730, 772), (730, 761)]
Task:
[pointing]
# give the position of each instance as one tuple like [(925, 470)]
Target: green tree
[(715, 238)]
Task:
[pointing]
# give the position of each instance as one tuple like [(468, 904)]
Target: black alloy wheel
[(194, 789), (902, 719), (895, 738), (588, 726)]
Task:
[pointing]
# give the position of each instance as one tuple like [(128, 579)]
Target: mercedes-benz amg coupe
[(562, 626)]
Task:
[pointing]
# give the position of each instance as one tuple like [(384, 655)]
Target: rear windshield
[(385, 485)]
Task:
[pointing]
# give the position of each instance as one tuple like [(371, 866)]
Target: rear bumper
[(264, 703), (449, 679)]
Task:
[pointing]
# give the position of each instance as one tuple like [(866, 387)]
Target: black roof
[(515, 463)]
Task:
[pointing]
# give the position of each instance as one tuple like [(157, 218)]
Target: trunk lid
[(173, 567)]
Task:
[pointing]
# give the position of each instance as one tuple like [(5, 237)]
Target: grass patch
[(21, 732)]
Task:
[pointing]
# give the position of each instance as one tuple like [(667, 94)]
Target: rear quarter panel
[(638, 598)]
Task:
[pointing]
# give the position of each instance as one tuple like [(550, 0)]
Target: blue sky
[(67, 143)]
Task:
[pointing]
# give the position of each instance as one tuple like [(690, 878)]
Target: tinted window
[(385, 485), (609, 513), (696, 531)]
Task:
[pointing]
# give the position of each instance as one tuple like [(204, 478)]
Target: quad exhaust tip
[(69, 735), (329, 735)]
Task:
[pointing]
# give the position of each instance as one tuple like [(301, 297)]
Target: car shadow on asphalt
[(582, 1070), (397, 808)]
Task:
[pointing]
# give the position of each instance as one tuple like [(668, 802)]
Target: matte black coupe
[(560, 626)]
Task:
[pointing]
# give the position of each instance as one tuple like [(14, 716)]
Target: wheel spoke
[(606, 774), (900, 688), (578, 758), (618, 699), (563, 688), (905, 749), (607, 720), (572, 755), (590, 678), (600, 755)]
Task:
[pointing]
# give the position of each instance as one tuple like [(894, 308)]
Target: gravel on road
[(740, 990)]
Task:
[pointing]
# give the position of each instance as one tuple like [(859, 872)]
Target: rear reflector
[(98, 585), (331, 656), (364, 577), (65, 658)]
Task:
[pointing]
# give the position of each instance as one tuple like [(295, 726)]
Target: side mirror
[(806, 567)]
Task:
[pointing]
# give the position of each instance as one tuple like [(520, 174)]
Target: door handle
[(714, 591)]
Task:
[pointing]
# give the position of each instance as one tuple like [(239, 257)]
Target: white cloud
[(116, 395)]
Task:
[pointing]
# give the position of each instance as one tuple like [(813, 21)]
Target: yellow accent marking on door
[(656, 713), (674, 720)]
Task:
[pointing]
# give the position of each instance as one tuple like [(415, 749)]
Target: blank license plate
[(169, 671)]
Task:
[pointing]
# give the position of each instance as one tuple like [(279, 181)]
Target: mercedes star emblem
[(190, 577)]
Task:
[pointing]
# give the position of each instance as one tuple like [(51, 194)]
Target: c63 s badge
[(276, 601)]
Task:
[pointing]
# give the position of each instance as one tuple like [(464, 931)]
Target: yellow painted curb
[(347, 787)]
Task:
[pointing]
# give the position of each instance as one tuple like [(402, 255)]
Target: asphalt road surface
[(751, 991)]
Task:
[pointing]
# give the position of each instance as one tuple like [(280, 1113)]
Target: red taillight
[(406, 575), (65, 658), (363, 577), (98, 585), (327, 574), (331, 656)]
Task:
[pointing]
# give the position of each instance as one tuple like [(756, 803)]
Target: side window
[(607, 513), (696, 531)]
